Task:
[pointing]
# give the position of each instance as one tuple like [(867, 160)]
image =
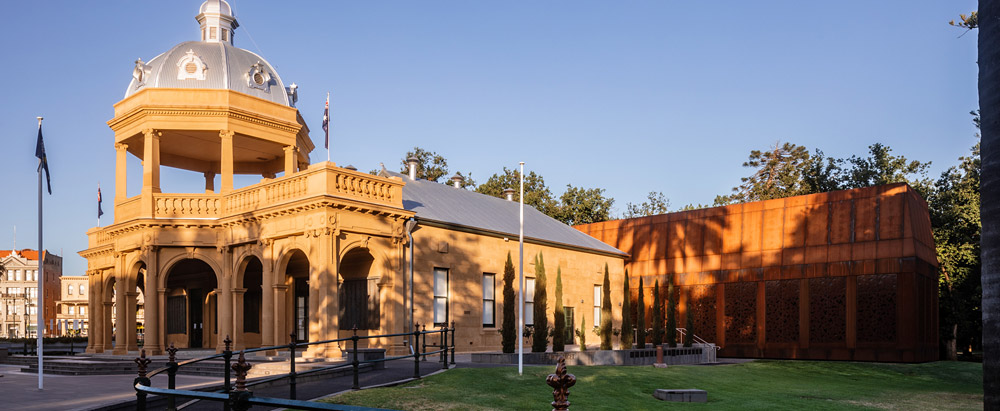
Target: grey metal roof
[(446, 204), (227, 67)]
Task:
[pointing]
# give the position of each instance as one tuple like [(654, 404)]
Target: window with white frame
[(83, 289), (72, 310), (17, 275), (83, 310), (597, 306), (32, 310), (440, 296), (529, 301), (489, 300), (69, 289)]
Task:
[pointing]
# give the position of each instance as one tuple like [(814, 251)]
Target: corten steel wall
[(846, 275)]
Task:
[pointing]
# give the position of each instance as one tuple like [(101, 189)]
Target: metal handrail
[(697, 339), (243, 397)]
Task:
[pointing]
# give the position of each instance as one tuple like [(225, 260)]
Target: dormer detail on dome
[(190, 66), (217, 21), (259, 78)]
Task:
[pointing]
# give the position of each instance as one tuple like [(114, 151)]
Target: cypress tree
[(606, 311), (508, 330), (626, 337), (583, 332), (671, 313), (689, 322), (657, 315), (640, 318), (559, 330), (540, 335)]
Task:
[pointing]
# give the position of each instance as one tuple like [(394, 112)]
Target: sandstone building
[(71, 307), (311, 250), (19, 292)]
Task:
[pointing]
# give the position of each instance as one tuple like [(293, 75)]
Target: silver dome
[(210, 65)]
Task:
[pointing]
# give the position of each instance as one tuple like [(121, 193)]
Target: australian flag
[(326, 122), (99, 211), (40, 153)]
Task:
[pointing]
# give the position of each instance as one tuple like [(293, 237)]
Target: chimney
[(456, 180), (412, 162), (509, 193)]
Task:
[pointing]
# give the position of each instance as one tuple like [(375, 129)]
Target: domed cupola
[(213, 62), (210, 107)]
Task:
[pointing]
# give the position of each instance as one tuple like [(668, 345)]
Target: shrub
[(626, 333), (559, 331), (508, 329), (606, 311)]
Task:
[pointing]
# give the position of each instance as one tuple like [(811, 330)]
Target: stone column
[(267, 298), (151, 161), (238, 337), (226, 162), (131, 300), (120, 304), (209, 182), (95, 335), (280, 331), (152, 342), (121, 171), (106, 326), (224, 303), (161, 321), (90, 314), (290, 161)]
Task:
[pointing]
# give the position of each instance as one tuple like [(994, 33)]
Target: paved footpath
[(19, 391)]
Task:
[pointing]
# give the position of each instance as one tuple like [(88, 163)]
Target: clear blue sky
[(629, 96)]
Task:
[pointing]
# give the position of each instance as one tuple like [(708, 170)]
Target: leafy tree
[(954, 205), (777, 173), (967, 22), (881, 167), (536, 193), (657, 318), (627, 328), (541, 325), (671, 313), (640, 318), (579, 205), (432, 166), (508, 330), (689, 323), (606, 311), (821, 174), (656, 203), (559, 331)]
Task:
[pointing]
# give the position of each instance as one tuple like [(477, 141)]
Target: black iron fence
[(241, 398)]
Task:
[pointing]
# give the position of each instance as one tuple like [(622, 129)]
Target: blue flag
[(326, 122), (40, 153)]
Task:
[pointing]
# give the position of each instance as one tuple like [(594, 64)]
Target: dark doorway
[(197, 321), (301, 309), (359, 299), (570, 326)]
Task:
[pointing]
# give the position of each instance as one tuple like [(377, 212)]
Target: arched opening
[(297, 280), (252, 280), (140, 314), (191, 305), (358, 296), (108, 312)]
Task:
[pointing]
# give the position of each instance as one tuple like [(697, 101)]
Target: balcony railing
[(320, 180)]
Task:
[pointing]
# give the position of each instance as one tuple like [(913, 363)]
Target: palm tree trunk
[(989, 104)]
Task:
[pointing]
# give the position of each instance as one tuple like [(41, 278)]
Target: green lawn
[(770, 385)]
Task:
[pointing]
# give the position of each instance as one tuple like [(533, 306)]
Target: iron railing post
[(227, 356), (444, 346), (354, 362), (172, 376), (141, 379), (423, 338), (291, 367), (452, 343), (416, 351)]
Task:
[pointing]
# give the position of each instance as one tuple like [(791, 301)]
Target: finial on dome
[(217, 21)]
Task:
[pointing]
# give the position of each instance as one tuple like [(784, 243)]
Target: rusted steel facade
[(845, 275)]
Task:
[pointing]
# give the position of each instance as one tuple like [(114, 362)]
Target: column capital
[(279, 287), (121, 146), (226, 134), (152, 133)]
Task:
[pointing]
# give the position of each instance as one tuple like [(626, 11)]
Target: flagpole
[(98, 204), (520, 269), (328, 127), (41, 270)]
